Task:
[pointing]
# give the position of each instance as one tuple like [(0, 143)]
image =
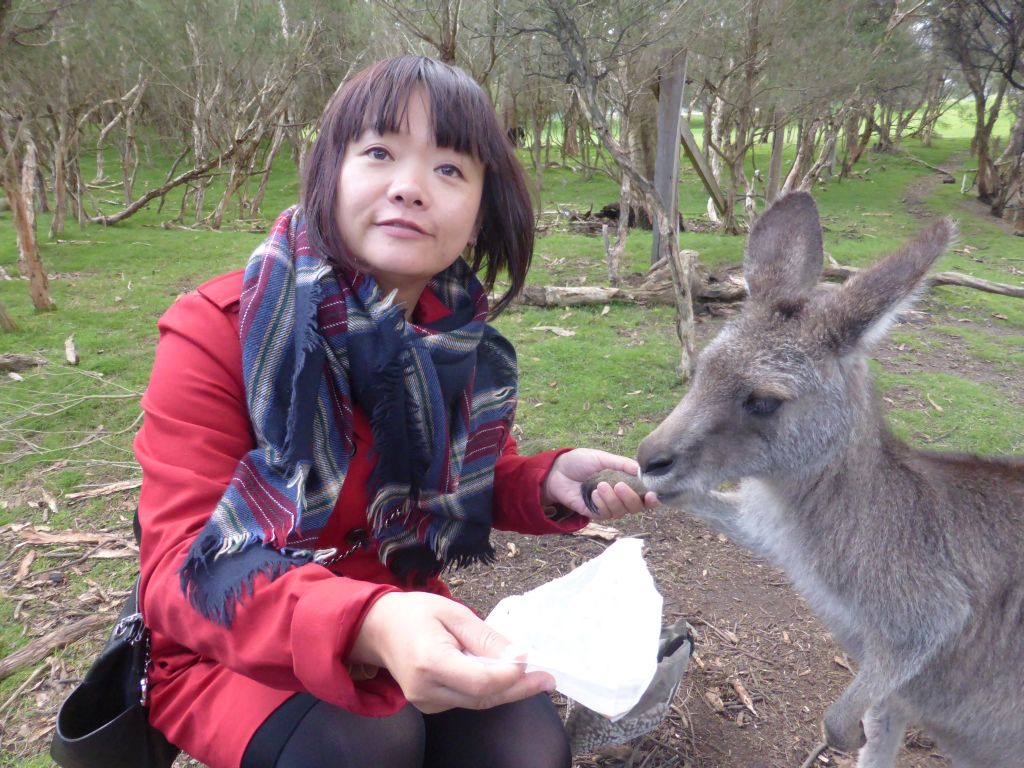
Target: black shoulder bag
[(103, 722)]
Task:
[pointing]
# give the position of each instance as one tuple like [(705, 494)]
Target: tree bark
[(672, 80), (38, 286), (41, 647), (29, 171), (268, 164), (129, 150), (775, 162), (60, 151)]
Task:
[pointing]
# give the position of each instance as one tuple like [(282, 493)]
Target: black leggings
[(305, 732)]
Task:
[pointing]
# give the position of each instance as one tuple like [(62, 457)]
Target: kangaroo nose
[(657, 466)]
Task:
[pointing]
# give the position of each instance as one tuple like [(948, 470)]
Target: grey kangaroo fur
[(914, 559)]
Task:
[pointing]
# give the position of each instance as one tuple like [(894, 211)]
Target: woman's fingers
[(443, 656), (529, 684), (619, 500)]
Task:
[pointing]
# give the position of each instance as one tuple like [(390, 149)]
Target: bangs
[(455, 103)]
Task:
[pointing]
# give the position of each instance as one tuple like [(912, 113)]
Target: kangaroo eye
[(756, 405)]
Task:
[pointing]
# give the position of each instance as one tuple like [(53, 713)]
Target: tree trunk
[(823, 159), (240, 165), (1010, 166), (60, 151), (625, 190), (672, 80), (537, 127), (644, 118), (28, 248), (775, 163), (988, 178), (29, 171), (101, 141), (60, 193), (449, 30), (268, 164), (129, 150), (570, 129)]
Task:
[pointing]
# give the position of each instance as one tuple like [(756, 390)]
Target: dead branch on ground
[(656, 288), (41, 647)]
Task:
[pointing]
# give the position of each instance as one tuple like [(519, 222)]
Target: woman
[(345, 411)]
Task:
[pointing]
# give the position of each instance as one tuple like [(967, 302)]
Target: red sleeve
[(292, 633), (517, 483)]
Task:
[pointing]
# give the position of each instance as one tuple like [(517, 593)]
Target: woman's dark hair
[(464, 120)]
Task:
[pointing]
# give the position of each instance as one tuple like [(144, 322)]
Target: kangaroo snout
[(670, 463)]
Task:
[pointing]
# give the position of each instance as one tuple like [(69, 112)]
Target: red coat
[(211, 687)]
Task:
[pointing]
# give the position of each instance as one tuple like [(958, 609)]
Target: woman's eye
[(450, 170), (378, 153), (757, 405)]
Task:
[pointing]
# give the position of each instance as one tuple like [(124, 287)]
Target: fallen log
[(14, 362), (656, 289), (41, 647), (944, 278)]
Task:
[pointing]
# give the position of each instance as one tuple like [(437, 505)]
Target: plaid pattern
[(441, 400)]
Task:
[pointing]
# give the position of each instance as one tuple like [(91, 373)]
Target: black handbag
[(103, 722)]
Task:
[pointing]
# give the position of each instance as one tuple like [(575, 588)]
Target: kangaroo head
[(782, 389)]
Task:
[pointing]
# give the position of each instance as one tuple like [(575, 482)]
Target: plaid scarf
[(441, 399)]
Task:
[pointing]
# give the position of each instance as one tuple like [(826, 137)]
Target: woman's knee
[(523, 734), (329, 737)]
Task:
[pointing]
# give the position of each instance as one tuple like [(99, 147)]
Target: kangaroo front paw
[(843, 733), (611, 477)]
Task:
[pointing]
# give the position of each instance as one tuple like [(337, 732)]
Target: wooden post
[(666, 170)]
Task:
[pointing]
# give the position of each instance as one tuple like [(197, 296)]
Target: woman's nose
[(408, 189)]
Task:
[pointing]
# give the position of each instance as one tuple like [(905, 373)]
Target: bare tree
[(972, 40), (435, 22), (590, 59), (23, 27), (24, 223)]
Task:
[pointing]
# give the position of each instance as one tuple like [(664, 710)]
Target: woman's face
[(406, 207)]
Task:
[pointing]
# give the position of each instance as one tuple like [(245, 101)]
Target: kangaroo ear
[(862, 310), (784, 251)]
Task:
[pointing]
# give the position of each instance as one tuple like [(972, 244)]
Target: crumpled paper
[(596, 629)]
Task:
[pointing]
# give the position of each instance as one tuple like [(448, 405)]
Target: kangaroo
[(914, 559)]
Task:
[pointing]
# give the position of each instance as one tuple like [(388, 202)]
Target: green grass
[(583, 389), (606, 386), (973, 417)]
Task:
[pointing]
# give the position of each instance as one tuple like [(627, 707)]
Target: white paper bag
[(596, 629)]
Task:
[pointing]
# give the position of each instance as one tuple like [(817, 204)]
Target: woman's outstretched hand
[(564, 485), (420, 638)]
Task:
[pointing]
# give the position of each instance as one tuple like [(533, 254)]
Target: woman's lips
[(401, 227)]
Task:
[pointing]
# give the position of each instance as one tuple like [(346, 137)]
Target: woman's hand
[(420, 638), (564, 485)]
